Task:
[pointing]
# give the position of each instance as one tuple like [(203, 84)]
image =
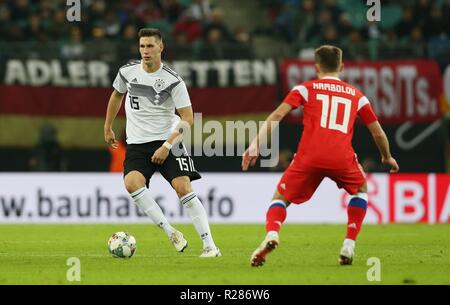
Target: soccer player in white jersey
[(153, 92)]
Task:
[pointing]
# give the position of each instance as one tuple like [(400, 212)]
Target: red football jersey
[(330, 109)]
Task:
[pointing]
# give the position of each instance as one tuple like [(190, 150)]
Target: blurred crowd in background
[(190, 27), (209, 30), (408, 24), (200, 29)]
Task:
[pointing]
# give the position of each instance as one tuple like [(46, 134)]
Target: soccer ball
[(122, 244)]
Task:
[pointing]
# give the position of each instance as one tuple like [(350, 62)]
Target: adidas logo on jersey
[(283, 186), (134, 80)]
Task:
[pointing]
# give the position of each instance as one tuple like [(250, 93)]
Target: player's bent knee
[(134, 181), (278, 196), (183, 189), (182, 186), (363, 188), (133, 185)]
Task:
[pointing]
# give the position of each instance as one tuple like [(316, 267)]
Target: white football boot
[(347, 252), (178, 241), (268, 245), (211, 252)]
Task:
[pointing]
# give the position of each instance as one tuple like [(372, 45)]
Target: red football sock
[(356, 212), (275, 216)]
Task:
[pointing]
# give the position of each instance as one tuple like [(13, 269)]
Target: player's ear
[(161, 46), (317, 68), (341, 67)]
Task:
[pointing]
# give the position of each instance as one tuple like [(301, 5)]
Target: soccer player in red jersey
[(330, 108)]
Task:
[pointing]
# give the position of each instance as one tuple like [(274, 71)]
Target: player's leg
[(135, 185), (353, 180), (356, 211), (196, 211), (179, 171), (275, 216), (297, 185), (137, 172)]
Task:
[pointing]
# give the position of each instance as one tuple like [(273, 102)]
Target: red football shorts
[(300, 181)]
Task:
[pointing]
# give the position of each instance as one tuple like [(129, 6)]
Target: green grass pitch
[(308, 254)]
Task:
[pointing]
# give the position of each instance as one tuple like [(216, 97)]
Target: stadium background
[(56, 77), (239, 58)]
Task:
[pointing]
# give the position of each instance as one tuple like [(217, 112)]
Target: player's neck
[(151, 67), (322, 75)]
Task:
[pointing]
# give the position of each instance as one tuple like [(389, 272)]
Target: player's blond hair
[(328, 57)]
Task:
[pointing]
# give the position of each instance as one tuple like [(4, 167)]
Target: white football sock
[(272, 234), (197, 213), (349, 242), (143, 199)]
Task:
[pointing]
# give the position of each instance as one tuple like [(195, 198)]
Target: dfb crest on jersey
[(159, 85)]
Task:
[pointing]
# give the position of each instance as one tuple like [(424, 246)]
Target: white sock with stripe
[(197, 213), (143, 199)]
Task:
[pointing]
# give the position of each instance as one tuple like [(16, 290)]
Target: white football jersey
[(150, 101)]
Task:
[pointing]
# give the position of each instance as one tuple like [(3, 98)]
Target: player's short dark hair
[(328, 57), (150, 32)]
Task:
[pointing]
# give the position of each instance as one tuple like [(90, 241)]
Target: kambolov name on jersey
[(334, 88)]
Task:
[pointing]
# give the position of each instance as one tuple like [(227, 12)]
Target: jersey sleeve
[(180, 96), (365, 111), (120, 83), (297, 97)]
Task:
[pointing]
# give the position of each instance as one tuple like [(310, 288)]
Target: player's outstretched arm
[(382, 143), (251, 154), (115, 101), (187, 119)]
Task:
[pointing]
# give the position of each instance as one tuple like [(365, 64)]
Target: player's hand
[(392, 163), (160, 155), (249, 157), (110, 138)]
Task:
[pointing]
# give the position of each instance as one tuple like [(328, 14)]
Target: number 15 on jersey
[(134, 104)]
